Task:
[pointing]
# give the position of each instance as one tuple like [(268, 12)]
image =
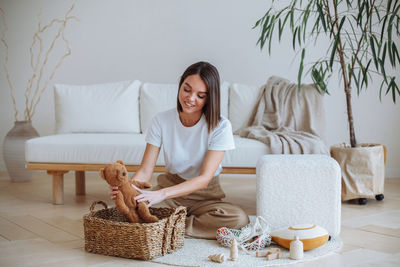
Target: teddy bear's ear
[(120, 162), (102, 173)]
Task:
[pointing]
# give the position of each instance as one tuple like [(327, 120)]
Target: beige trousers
[(206, 212)]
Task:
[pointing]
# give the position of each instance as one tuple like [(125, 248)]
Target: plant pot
[(363, 169), (14, 150)]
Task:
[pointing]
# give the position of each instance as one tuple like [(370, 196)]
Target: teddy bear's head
[(115, 173)]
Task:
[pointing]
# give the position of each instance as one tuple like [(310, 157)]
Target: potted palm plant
[(362, 47)]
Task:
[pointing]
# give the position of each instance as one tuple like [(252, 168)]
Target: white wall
[(155, 40)]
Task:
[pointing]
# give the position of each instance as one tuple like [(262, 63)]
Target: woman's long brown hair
[(209, 74)]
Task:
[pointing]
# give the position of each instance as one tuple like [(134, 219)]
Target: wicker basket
[(107, 232)]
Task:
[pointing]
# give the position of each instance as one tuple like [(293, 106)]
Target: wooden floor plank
[(377, 242), (382, 230), (42, 229), (74, 227), (12, 231)]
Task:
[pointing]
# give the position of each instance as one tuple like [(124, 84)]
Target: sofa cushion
[(224, 99), (246, 154), (87, 148), (242, 100), (155, 98), (111, 108)]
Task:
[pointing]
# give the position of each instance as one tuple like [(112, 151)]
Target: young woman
[(194, 138)]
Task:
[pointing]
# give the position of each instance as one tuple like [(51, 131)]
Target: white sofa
[(98, 124)]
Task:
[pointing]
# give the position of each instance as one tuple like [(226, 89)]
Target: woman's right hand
[(113, 191)]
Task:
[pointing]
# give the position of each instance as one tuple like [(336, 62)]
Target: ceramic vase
[(14, 150)]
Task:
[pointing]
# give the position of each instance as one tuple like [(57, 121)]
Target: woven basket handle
[(179, 212), (95, 203)]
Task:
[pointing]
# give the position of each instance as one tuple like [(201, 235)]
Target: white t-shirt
[(185, 147)]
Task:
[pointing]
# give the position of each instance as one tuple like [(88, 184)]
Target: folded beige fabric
[(288, 120)]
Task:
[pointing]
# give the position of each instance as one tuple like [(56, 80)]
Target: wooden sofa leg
[(58, 186), (80, 187)]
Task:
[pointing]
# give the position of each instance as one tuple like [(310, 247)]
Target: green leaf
[(261, 21), (395, 53), (294, 39), (300, 73), (383, 28), (393, 87), (334, 50), (299, 36), (316, 80), (393, 90), (377, 13), (384, 53), (355, 78), (315, 28), (388, 5), (380, 90), (395, 12), (367, 8), (392, 59), (332, 30), (360, 14), (381, 63), (270, 38), (257, 23), (291, 19), (371, 40), (341, 24), (286, 18), (321, 15), (264, 30), (365, 75), (389, 31)]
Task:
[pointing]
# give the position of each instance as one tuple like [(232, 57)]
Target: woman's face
[(193, 94)]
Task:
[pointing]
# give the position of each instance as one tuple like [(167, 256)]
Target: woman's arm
[(210, 165), (146, 167)]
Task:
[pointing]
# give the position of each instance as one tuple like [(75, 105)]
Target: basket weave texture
[(108, 232)]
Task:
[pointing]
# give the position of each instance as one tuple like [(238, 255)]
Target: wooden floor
[(33, 232)]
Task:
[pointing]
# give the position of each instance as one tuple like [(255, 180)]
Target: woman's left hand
[(152, 197)]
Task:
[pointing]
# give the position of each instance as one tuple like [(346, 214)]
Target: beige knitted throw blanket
[(289, 121)]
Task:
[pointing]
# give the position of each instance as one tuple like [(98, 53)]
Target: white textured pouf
[(299, 189)]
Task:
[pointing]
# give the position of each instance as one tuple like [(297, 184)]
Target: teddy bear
[(115, 174)]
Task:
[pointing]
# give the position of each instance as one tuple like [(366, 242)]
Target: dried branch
[(3, 40), (38, 67), (36, 97), (34, 68), (58, 64)]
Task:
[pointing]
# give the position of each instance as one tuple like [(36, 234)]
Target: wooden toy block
[(263, 253)]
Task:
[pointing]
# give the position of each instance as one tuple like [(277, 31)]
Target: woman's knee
[(231, 217)]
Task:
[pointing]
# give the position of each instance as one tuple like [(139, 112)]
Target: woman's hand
[(114, 191), (152, 197)]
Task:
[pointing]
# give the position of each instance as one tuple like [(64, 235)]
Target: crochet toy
[(116, 174), (250, 238)]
